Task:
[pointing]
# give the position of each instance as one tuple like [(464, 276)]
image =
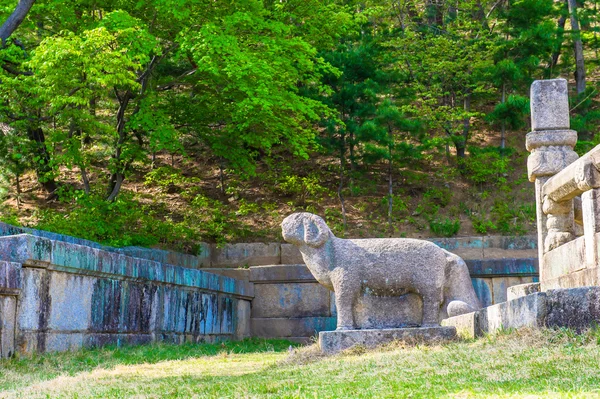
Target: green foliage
[(123, 222), (302, 188), (444, 227), (512, 112), (488, 166)]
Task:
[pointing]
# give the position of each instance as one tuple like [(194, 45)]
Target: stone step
[(574, 308), (332, 342)]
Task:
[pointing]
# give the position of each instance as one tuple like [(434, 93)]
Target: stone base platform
[(334, 341)]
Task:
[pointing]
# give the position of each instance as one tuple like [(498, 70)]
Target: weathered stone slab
[(60, 342), (238, 274), (388, 312), (8, 325), (576, 308), (467, 325), (240, 255), (34, 292), (291, 327), (85, 260), (501, 253), (527, 311), (170, 257), (10, 278), (290, 300), (454, 244), (520, 243), (549, 105), (66, 290), (517, 291), (484, 290), (503, 267), (243, 319), (290, 255), (280, 273), (500, 286), (563, 260), (332, 342), (581, 278)]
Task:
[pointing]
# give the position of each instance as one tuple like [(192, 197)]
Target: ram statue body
[(382, 267)]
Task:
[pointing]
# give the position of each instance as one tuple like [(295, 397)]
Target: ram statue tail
[(459, 294)]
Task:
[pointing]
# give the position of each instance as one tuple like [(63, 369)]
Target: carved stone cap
[(550, 138), (549, 105)]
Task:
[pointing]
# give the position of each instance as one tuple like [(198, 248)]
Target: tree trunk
[(42, 167), (116, 178), (390, 188), (461, 143), (18, 177), (15, 19), (222, 177), (117, 187), (556, 54), (577, 47), (85, 179), (503, 129), (341, 185)]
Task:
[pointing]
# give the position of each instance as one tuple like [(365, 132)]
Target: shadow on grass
[(50, 365)]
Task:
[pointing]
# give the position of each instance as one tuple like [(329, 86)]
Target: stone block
[(509, 243), (563, 260), (10, 277), (8, 321), (242, 327), (240, 255), (503, 267), (291, 300), (60, 342), (527, 311), (575, 308), (483, 290), (290, 255), (501, 253), (332, 342), (103, 339), (238, 274), (70, 302), (580, 278), (281, 273), (291, 327), (466, 324), (468, 253), (549, 105), (517, 291), (388, 312), (459, 243), (500, 286), (33, 294)]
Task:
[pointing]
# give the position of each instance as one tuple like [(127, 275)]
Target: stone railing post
[(551, 145)]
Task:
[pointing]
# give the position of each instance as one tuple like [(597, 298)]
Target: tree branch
[(15, 19)]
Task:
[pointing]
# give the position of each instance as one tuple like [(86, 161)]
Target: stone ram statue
[(382, 267)]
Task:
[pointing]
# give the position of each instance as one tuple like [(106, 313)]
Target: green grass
[(516, 364)]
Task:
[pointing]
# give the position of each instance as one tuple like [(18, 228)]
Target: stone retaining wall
[(57, 296), (260, 254), (110, 284)]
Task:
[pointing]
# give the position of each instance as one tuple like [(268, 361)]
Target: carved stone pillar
[(551, 145)]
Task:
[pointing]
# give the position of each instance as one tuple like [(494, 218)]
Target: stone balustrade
[(566, 191)]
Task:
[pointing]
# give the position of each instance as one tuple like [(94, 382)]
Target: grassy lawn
[(517, 364)]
